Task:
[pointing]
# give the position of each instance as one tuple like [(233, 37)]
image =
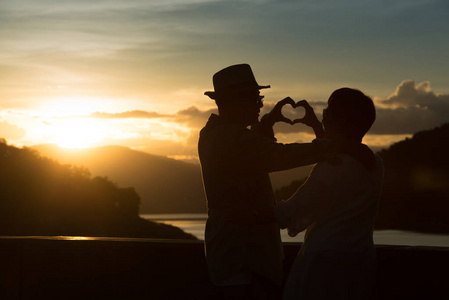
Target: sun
[(77, 133)]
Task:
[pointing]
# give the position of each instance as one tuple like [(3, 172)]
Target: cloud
[(176, 135), (11, 131), (194, 117), (408, 94), (411, 108), (138, 114), (128, 49)]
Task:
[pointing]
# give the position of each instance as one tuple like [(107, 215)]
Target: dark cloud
[(193, 117), (411, 108), (138, 114), (11, 131)]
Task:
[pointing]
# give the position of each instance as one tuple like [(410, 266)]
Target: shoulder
[(217, 126), (337, 167), (379, 160), (379, 165), (326, 171), (332, 163)]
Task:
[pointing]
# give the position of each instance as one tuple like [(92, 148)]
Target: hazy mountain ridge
[(165, 185), (40, 196)]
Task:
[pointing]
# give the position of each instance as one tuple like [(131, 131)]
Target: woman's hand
[(310, 119)]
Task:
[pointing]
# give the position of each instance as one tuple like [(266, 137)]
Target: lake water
[(195, 223)]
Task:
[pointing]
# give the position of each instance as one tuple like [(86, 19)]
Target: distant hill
[(39, 196), (415, 194), (416, 185), (165, 185)]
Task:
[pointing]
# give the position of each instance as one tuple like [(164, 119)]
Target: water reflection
[(75, 238), (195, 225)]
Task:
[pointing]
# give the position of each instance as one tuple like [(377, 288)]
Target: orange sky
[(133, 73)]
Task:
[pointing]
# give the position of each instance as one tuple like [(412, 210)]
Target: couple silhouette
[(337, 205)]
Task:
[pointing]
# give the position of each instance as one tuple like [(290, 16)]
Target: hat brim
[(213, 94)]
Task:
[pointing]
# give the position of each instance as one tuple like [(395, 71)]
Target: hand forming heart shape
[(294, 112), (308, 119)]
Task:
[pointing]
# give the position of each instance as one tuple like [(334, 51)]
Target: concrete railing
[(121, 268)]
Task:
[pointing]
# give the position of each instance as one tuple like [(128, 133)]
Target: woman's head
[(349, 114)]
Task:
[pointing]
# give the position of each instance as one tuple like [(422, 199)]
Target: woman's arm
[(309, 203)]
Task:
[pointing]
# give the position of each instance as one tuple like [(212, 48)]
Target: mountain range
[(40, 196), (164, 185)]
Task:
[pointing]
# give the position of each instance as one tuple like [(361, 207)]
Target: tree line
[(40, 196)]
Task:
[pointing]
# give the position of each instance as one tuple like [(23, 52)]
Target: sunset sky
[(133, 73)]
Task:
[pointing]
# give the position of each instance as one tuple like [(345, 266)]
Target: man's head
[(236, 94), (349, 114)]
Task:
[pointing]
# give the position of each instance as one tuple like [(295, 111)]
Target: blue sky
[(63, 61)]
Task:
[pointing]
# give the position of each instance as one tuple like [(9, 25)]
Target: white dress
[(338, 204)]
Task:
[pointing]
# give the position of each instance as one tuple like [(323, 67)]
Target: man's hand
[(275, 115)]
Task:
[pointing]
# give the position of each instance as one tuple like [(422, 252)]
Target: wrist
[(267, 120), (315, 124)]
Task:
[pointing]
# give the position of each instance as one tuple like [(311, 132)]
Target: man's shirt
[(235, 163)]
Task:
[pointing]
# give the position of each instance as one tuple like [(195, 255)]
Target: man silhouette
[(245, 258), (338, 205)]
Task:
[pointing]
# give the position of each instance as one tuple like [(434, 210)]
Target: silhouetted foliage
[(415, 194), (39, 196), (416, 185), (152, 176)]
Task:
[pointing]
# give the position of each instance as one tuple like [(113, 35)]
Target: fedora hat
[(234, 79)]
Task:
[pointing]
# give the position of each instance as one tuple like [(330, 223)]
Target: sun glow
[(69, 123), (77, 133)]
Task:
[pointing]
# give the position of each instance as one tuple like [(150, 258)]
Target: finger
[(286, 120), (286, 100), (302, 121), (303, 103)]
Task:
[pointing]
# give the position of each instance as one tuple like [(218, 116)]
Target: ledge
[(129, 268)]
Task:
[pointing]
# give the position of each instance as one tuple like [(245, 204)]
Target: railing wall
[(115, 268)]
